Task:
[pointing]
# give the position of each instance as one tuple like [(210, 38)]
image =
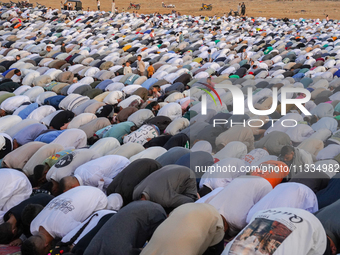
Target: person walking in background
[(243, 9), (239, 9), (98, 5), (113, 7)]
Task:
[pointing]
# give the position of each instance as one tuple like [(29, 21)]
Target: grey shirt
[(170, 186), (329, 218)]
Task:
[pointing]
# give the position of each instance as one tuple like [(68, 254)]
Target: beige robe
[(189, 230), (19, 157), (237, 133)]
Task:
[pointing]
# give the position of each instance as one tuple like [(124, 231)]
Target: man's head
[(2, 112), (17, 57), (156, 107), (67, 183), (117, 109), (156, 88), (29, 213), (55, 188), (229, 229), (36, 245), (127, 63), (40, 172), (15, 144), (17, 72), (287, 153), (62, 44), (139, 57), (48, 48), (331, 247), (6, 233)]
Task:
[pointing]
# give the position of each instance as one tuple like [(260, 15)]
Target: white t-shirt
[(69, 163), (41, 112), (16, 78), (98, 3), (254, 156), (105, 168), (15, 188), (12, 103), (236, 199), (65, 212), (290, 194), (280, 231)]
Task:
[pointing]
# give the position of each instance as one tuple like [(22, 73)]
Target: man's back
[(280, 231), (247, 189), (68, 210), (170, 186)]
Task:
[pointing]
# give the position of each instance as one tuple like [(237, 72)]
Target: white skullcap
[(114, 202)]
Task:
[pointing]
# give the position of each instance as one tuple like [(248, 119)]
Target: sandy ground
[(258, 8)]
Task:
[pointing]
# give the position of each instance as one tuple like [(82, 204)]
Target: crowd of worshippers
[(101, 134)]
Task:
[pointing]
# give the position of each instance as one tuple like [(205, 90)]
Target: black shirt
[(16, 211)]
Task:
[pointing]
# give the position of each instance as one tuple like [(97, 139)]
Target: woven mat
[(9, 250)]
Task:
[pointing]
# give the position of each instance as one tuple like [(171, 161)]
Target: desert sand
[(258, 8)]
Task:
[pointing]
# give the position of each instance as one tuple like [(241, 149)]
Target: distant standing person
[(69, 6), (113, 7), (244, 54), (209, 58), (151, 71), (181, 37), (239, 9), (140, 66), (243, 9), (98, 5), (152, 33), (63, 48)]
